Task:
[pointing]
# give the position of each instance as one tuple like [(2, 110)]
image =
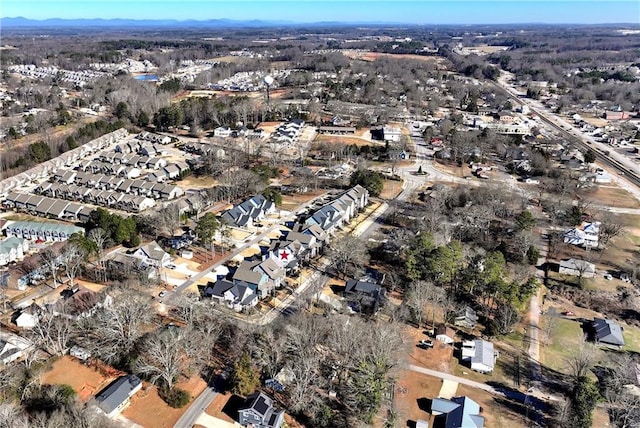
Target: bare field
[(192, 182), (372, 56), (613, 196), (451, 169), (338, 139), (391, 189)]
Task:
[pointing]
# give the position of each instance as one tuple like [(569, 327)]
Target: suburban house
[(240, 296), (29, 316), (459, 412), (467, 318), (255, 279), (368, 296), (216, 290), (575, 267), (222, 132), (585, 235), (258, 412), (115, 397), (480, 354), (237, 296), (152, 254), (607, 332), (309, 242), (253, 209), (285, 254), (386, 133), (275, 275), (12, 249), (12, 347), (445, 334)]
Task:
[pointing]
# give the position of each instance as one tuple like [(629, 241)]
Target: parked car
[(425, 344), (568, 314), (171, 266), (162, 294)]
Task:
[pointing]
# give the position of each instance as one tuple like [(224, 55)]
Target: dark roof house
[(607, 331), (258, 412), (115, 397), (368, 295)]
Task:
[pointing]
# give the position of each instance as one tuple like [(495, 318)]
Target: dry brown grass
[(85, 381), (612, 196), (149, 410), (348, 140), (391, 189)]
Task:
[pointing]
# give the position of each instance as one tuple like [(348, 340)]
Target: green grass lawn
[(631, 336), (566, 341)]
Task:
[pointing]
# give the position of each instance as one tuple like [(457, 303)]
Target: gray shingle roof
[(117, 393), (608, 331)]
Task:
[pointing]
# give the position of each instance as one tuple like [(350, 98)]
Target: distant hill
[(20, 22)]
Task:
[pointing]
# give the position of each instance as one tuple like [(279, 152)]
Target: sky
[(307, 11)]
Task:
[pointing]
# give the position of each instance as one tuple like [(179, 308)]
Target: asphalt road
[(172, 295), (189, 417), (612, 160)]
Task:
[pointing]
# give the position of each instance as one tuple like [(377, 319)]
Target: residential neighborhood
[(275, 222)]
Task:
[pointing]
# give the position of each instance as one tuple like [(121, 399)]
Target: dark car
[(425, 344)]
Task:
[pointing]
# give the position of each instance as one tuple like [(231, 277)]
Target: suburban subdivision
[(267, 225)]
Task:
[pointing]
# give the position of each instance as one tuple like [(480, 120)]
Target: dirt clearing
[(149, 410), (86, 381)]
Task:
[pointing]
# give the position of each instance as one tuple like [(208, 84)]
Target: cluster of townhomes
[(248, 212), (12, 249), (68, 159), (258, 277), (110, 179), (47, 207), (288, 133)]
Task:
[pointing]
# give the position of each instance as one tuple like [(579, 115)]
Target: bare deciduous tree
[(52, 261), (53, 333), (348, 255), (580, 362), (161, 358), (72, 258), (114, 329), (99, 237)]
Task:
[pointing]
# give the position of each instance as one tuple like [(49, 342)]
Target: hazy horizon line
[(297, 22)]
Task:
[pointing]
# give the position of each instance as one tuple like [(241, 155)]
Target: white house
[(445, 334), (222, 132), (480, 355), (29, 316), (12, 347), (585, 235), (12, 249), (392, 134), (152, 254)]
